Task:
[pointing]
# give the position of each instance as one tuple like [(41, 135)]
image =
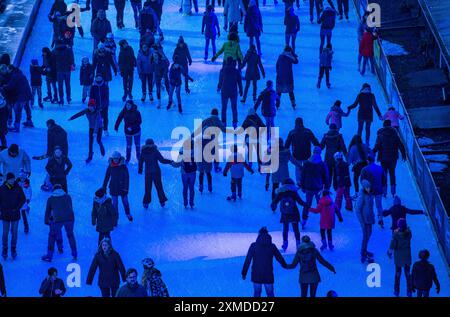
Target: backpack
[(287, 205)]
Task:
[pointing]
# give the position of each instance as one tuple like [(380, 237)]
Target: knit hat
[(100, 193), (148, 263), (13, 149), (10, 176), (401, 223), (263, 230), (397, 201), (57, 186), (116, 155), (424, 254), (34, 62), (317, 150), (338, 103), (306, 239), (149, 142)]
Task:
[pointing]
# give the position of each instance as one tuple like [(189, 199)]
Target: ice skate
[(46, 258), (324, 245)]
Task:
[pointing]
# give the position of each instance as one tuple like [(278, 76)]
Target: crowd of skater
[(324, 168)]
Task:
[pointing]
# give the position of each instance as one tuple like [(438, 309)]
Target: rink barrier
[(26, 33), (427, 189)]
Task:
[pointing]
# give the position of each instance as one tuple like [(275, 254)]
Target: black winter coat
[(103, 63), (17, 88), (342, 174), (288, 192), (254, 66), (230, 81), (36, 76), (314, 175), (333, 142), (118, 178), (175, 72), (100, 92), (57, 136), (100, 28), (268, 100), (49, 66), (151, 156), (367, 102), (301, 140), (127, 59), (12, 199), (64, 58), (110, 267), (58, 168), (388, 144), (104, 215), (86, 74), (184, 56), (261, 254), (48, 287), (399, 211), (285, 75), (423, 275), (59, 208), (132, 119), (4, 113)]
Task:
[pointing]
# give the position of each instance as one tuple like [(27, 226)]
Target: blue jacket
[(236, 164), (376, 176)]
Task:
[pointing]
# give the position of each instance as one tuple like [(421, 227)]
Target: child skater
[(236, 163), (86, 78), (24, 182)]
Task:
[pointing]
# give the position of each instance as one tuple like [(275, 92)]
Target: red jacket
[(327, 209), (366, 44)]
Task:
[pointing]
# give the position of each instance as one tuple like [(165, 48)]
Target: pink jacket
[(394, 116), (327, 210)]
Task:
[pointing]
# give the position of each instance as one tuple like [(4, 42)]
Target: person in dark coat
[(175, 72), (119, 182), (100, 27), (211, 29), (253, 25), (3, 122), (188, 168), (131, 288), (285, 75), (401, 247), (387, 145), (366, 217), (268, 100), (230, 82), (36, 81), (261, 254), (157, 6), (57, 6), (357, 158), (110, 267), (56, 136), (12, 199), (2, 283), (300, 140), (325, 65), (307, 256), (95, 122), (161, 70), (327, 21), (424, 275), (398, 211), (292, 23), (100, 93), (58, 167), (145, 70), (58, 214), (104, 215), (252, 73), (288, 198), (120, 8), (151, 157), (343, 183), (127, 63), (18, 94), (52, 286), (136, 5), (314, 179), (132, 127), (64, 62), (367, 103), (104, 63), (49, 70), (332, 142), (86, 77), (343, 8), (253, 121), (97, 5), (184, 59), (148, 19)]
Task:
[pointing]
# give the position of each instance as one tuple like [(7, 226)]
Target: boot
[(89, 159), (159, 104), (13, 253), (5, 253), (393, 190), (330, 245), (284, 246), (102, 150), (169, 105), (143, 96), (150, 95), (324, 245), (130, 217)]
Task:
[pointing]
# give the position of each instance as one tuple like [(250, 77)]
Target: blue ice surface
[(200, 252)]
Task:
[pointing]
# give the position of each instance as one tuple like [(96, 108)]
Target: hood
[(306, 245), (133, 108), (287, 188), (387, 132), (288, 55), (58, 193), (326, 201), (121, 162), (264, 239)]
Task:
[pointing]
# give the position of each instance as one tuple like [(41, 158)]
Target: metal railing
[(428, 191)]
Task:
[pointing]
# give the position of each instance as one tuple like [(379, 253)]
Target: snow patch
[(393, 49)]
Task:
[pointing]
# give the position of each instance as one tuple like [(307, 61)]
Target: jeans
[(367, 232), (10, 226), (146, 80), (343, 192), (324, 70), (208, 178), (108, 292), (258, 43), (290, 38), (233, 101), (120, 8), (389, 168), (360, 128), (236, 183), (319, 7), (63, 79), (295, 228), (213, 44), (257, 290), (99, 140), (137, 7), (36, 90), (127, 80), (125, 203), (343, 7), (423, 293), (325, 33), (104, 113), (55, 235), (86, 92), (398, 274), (51, 83), (310, 194), (137, 144), (150, 179), (378, 204), (158, 83), (312, 289), (188, 180), (247, 86), (177, 90)]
